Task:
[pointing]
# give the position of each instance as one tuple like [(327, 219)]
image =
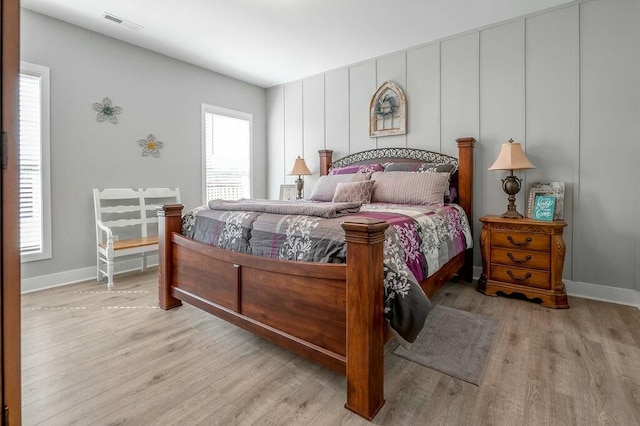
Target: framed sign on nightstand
[(543, 207), (288, 192), (555, 189)]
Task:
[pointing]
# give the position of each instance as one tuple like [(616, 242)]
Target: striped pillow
[(409, 187)]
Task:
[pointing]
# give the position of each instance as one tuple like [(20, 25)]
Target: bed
[(330, 313)]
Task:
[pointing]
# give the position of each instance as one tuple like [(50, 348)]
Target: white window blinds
[(34, 180), (30, 165), (227, 149)]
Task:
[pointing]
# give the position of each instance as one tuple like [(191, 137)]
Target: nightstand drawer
[(526, 259), (520, 276), (522, 241)]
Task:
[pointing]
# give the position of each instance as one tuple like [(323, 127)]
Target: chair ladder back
[(120, 194), (167, 195), (163, 193)]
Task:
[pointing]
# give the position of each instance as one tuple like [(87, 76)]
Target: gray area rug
[(453, 342)]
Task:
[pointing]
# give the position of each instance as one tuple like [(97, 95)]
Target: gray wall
[(564, 83), (159, 95)]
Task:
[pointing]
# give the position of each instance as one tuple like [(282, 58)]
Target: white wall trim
[(42, 282), (621, 296), (603, 293), (28, 285)]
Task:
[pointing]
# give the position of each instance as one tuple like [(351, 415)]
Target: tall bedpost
[(169, 221), (365, 316), (465, 195), (325, 161)]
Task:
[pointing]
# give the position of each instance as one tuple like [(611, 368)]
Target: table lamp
[(511, 158), (300, 168)]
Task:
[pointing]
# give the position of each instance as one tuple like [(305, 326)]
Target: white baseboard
[(28, 285), (604, 293)]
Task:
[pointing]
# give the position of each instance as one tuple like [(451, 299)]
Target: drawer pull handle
[(519, 243), (526, 277), (513, 259)]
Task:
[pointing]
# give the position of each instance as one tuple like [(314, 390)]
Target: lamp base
[(299, 187), (511, 214), (511, 186)]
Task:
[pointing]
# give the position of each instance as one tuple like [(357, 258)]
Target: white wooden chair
[(123, 216)]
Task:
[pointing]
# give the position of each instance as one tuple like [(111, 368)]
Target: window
[(35, 199), (226, 153)]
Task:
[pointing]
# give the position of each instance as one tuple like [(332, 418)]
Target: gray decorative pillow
[(357, 168), (415, 166), (354, 192), (325, 188), (409, 187)]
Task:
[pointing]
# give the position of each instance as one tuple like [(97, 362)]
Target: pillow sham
[(357, 168), (450, 194), (354, 192), (325, 188), (409, 187), (416, 166)]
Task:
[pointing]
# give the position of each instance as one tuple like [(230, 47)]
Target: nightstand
[(523, 256)]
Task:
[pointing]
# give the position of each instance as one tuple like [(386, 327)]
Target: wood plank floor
[(112, 358)]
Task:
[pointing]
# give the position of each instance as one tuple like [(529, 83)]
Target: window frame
[(45, 159), (212, 109)]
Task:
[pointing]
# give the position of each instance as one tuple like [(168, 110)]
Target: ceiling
[(269, 42)]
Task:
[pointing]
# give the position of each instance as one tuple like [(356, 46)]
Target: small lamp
[(511, 158), (300, 168)]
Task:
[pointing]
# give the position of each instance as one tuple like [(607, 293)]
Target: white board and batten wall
[(565, 83)]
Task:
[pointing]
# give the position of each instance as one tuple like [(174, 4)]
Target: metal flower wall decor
[(106, 111), (150, 146)]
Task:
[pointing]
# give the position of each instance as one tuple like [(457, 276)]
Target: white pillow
[(409, 187), (325, 188)]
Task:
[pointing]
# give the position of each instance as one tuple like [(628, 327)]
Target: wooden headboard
[(464, 184)]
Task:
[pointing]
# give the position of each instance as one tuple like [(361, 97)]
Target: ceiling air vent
[(113, 18)]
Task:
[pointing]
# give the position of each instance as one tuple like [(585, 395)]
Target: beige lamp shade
[(512, 157), (300, 168)]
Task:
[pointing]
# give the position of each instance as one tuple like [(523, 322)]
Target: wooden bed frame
[(331, 314)]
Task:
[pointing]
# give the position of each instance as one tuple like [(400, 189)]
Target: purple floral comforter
[(419, 240)]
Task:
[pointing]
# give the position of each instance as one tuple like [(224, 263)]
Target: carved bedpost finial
[(325, 161)]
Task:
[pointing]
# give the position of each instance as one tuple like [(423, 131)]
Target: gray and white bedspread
[(419, 240)]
